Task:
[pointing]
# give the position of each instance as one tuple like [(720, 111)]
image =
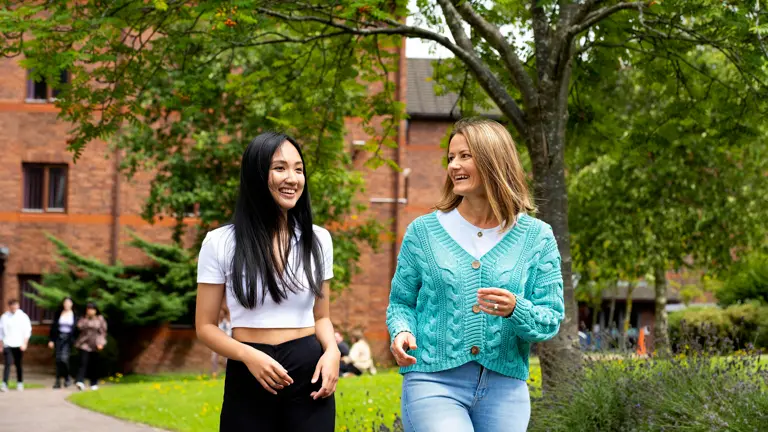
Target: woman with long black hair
[(272, 265), (61, 338)]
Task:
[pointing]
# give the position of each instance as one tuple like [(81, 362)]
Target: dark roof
[(642, 292), (421, 100)]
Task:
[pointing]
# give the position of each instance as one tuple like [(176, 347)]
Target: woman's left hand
[(496, 301), (328, 368)]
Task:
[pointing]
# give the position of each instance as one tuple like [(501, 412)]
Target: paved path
[(47, 410)]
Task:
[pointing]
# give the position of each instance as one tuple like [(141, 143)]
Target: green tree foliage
[(128, 296), (182, 89), (518, 56), (746, 281), (669, 175)]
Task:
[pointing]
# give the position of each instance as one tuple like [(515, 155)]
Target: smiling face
[(286, 176), (462, 169)]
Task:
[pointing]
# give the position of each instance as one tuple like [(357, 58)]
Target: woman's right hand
[(270, 374), (403, 341), (50, 345)]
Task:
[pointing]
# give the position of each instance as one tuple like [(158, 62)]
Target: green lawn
[(191, 403)]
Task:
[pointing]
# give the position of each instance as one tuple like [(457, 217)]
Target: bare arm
[(209, 298), (328, 366), (323, 325), (270, 374)]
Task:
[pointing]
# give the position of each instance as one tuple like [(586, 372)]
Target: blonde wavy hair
[(498, 164)]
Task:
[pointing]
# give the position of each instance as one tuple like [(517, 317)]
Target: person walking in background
[(477, 282), (273, 266), (226, 326), (92, 339), (360, 359), (15, 331), (61, 339)]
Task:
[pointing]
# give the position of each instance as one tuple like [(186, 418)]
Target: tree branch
[(601, 14), (454, 24), (541, 37), (491, 33), (485, 77), (583, 11)]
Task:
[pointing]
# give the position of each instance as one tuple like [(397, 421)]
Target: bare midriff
[(270, 336)]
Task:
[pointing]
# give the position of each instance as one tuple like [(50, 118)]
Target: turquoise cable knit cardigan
[(435, 287)]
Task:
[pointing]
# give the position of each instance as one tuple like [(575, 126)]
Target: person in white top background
[(359, 359), (273, 266), (15, 331)]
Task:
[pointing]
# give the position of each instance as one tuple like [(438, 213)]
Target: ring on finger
[(496, 307)]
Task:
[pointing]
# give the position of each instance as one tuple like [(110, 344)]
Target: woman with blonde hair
[(477, 282)]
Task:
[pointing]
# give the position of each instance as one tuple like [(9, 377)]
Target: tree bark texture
[(559, 356), (661, 326)]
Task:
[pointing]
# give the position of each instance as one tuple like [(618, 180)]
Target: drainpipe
[(115, 231)]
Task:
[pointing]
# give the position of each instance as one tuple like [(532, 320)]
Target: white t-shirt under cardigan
[(476, 241), (214, 266)]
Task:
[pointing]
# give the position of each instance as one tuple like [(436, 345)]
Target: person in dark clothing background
[(61, 338), (344, 350)]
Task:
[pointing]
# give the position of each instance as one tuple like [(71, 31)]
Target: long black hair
[(258, 220)]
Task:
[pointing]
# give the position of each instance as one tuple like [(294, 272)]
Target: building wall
[(31, 133)]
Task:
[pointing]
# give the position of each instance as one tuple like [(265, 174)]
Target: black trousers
[(63, 348), (89, 365), (248, 407), (13, 356), (349, 367)]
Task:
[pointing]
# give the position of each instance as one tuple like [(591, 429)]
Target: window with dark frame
[(45, 188), (40, 91), (36, 313)]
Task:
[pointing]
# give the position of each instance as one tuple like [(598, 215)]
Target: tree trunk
[(661, 327), (611, 314), (560, 356), (612, 309), (627, 316)]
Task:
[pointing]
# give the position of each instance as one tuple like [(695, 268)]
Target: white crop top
[(214, 266)]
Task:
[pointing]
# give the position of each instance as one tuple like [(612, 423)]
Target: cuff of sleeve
[(397, 332), (521, 313), (210, 281)]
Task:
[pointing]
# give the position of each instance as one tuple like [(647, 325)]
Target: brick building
[(88, 205)]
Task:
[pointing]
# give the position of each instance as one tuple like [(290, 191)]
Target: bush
[(747, 280), (740, 326), (691, 393)]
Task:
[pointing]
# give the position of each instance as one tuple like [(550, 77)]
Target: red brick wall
[(32, 134), (161, 350), (364, 304)]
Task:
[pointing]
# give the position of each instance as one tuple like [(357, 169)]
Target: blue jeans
[(465, 399)]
